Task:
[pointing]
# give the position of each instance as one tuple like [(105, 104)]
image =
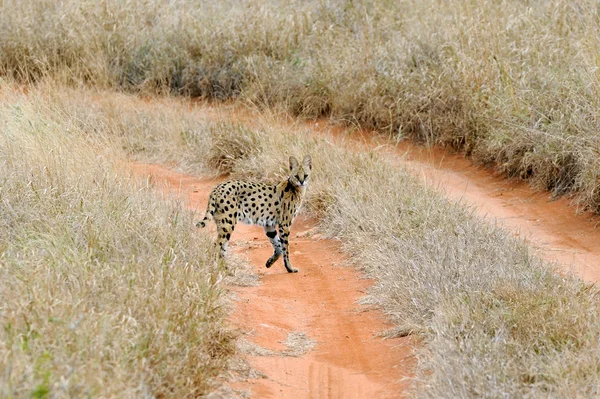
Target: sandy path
[(349, 359), (551, 226)]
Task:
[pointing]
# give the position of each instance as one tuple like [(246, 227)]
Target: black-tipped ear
[(307, 162), (293, 163)]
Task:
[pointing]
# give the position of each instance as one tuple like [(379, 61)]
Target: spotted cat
[(272, 206)]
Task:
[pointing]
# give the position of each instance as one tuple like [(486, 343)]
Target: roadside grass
[(496, 320), (514, 84), (105, 290)]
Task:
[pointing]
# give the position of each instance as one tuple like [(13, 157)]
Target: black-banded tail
[(210, 212)]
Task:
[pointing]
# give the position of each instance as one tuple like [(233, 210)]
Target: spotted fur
[(272, 206)]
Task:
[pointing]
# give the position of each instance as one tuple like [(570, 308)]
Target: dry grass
[(106, 291), (496, 320), (513, 83), (92, 307)]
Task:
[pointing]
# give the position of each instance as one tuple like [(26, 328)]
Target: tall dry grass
[(496, 320), (105, 289), (512, 83)]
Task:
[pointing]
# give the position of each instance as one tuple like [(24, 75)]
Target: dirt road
[(552, 226), (318, 305)]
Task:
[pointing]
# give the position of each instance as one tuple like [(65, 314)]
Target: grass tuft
[(230, 145)]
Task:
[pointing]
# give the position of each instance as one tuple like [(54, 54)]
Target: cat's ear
[(293, 163), (307, 162)]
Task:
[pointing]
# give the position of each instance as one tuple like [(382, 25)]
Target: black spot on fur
[(271, 234)]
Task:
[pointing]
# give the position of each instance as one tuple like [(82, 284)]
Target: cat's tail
[(210, 212)]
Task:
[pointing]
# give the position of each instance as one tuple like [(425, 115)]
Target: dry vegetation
[(496, 320), (105, 291), (513, 83)]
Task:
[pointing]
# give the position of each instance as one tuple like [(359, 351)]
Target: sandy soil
[(349, 360)]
